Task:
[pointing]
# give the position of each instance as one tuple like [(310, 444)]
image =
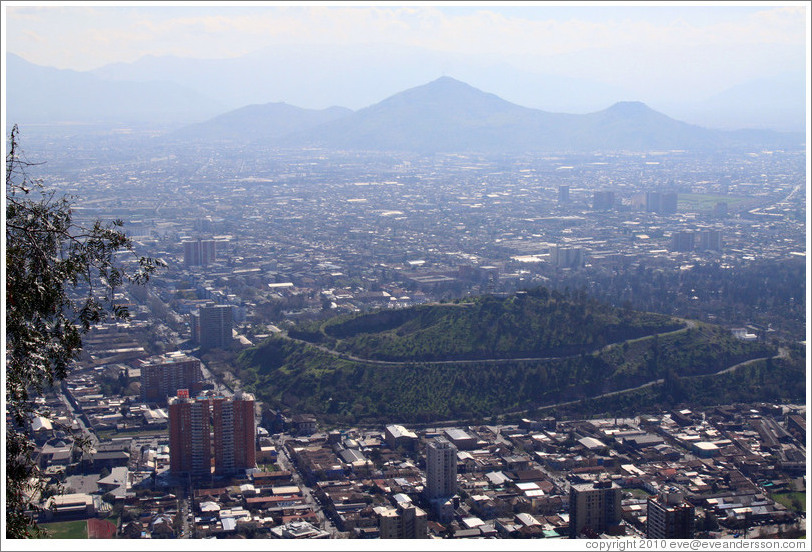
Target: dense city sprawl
[(258, 241)]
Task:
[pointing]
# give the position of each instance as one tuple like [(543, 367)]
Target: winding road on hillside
[(781, 354), (689, 324), (346, 356)]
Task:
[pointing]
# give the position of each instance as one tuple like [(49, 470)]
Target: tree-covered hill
[(510, 354), (526, 325)]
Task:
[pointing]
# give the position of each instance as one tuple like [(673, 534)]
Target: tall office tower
[(162, 376), (710, 240), (404, 522), (669, 517), (563, 194), (603, 200), (213, 326), (682, 241), (197, 423), (594, 507), (199, 252), (441, 469)]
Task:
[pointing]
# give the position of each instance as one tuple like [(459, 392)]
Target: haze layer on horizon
[(652, 50)]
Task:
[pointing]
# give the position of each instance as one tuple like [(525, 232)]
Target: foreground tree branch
[(61, 279)]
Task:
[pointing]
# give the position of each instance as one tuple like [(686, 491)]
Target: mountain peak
[(449, 85), (629, 108), (447, 81)]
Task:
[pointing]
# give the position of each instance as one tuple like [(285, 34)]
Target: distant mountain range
[(173, 91), (776, 102), (36, 94), (441, 116), (358, 75), (447, 115)]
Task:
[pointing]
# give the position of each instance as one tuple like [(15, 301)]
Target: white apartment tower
[(441, 469)]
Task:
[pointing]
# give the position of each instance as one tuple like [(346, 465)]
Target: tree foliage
[(769, 292), (61, 278), (528, 325), (290, 373)]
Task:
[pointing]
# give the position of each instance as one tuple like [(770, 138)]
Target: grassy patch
[(706, 202), (109, 434), (793, 501), (637, 493), (65, 530)]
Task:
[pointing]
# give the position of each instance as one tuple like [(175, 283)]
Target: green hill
[(533, 324), (481, 357)]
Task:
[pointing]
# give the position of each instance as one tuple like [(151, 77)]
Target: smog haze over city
[(448, 271)]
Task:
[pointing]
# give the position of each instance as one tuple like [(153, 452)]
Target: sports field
[(65, 530)]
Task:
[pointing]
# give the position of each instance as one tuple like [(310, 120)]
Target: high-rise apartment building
[(710, 240), (603, 200), (668, 203), (441, 469), (212, 326), (594, 507), (197, 423), (567, 257), (234, 433), (199, 252), (563, 194), (162, 376), (664, 203), (189, 435), (669, 517), (682, 241)]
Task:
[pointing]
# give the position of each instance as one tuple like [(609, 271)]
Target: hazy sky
[(86, 37)]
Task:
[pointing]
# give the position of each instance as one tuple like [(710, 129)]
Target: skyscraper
[(594, 507), (162, 376), (669, 517), (197, 423), (441, 469), (563, 194)]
